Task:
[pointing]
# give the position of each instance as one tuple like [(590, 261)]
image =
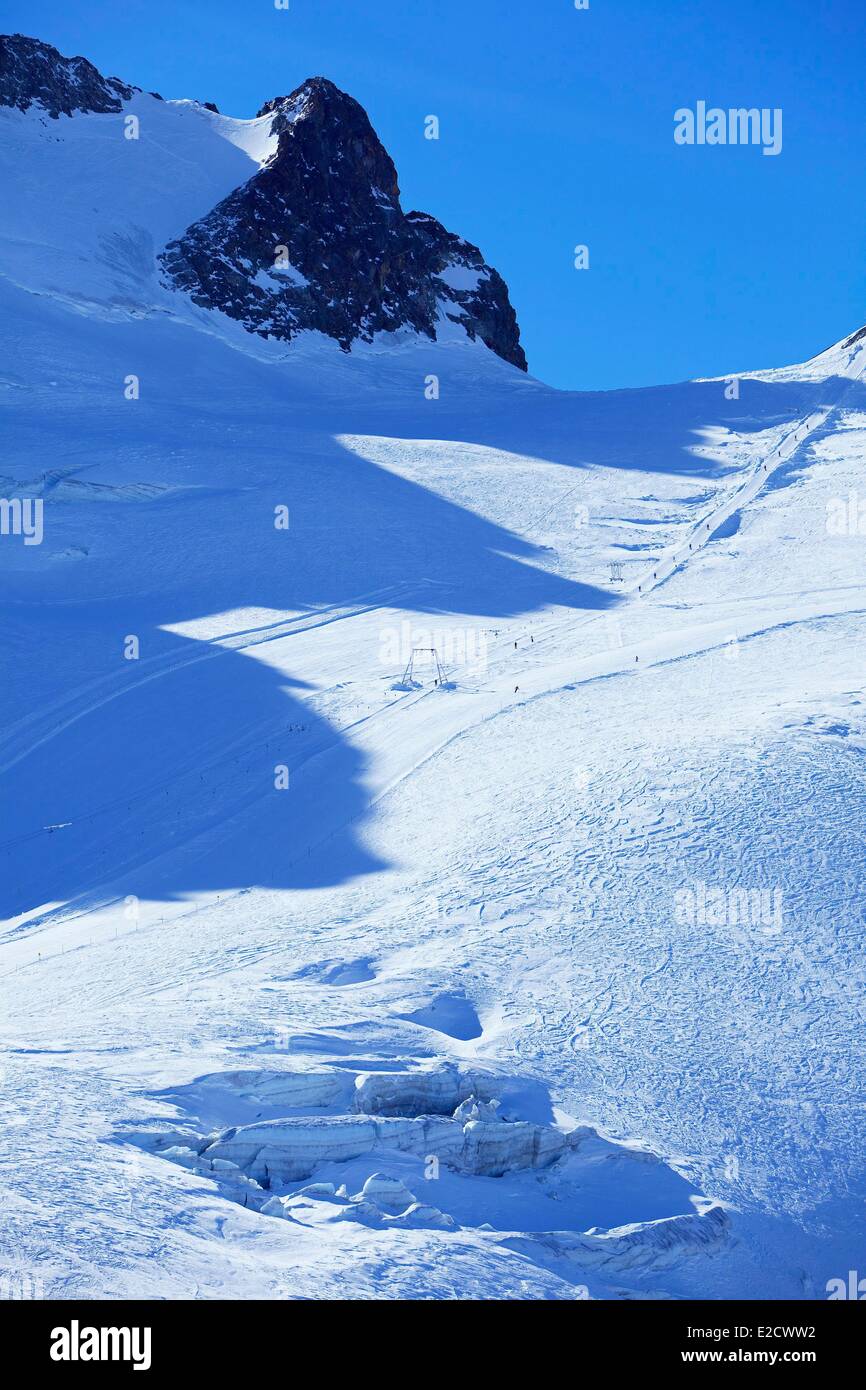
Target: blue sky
[(557, 130)]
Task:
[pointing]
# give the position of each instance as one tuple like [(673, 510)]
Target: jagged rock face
[(35, 74), (317, 240)]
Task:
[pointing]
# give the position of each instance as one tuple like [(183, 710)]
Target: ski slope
[(241, 1020)]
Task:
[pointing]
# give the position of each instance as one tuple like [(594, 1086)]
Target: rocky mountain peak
[(315, 94), (33, 73), (330, 132), (317, 240)]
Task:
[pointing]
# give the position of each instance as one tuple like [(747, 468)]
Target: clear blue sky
[(557, 129)]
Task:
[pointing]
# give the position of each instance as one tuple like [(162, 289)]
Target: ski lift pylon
[(423, 656)]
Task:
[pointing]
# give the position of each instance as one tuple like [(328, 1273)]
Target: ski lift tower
[(616, 571), (424, 657)]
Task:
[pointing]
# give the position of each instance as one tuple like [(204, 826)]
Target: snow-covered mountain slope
[(322, 979), (96, 246)]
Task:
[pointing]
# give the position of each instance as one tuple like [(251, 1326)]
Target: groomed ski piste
[(318, 981)]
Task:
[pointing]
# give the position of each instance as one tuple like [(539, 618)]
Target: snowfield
[(322, 978)]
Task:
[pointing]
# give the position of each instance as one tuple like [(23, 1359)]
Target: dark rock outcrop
[(35, 74), (317, 239)]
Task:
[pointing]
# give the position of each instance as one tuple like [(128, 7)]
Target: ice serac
[(286, 1150), (317, 240), (33, 73)]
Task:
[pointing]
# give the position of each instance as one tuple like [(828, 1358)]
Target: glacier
[(319, 985)]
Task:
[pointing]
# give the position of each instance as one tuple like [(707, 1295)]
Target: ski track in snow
[(472, 891)]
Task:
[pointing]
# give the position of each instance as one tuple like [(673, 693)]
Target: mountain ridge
[(33, 73), (315, 239)]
